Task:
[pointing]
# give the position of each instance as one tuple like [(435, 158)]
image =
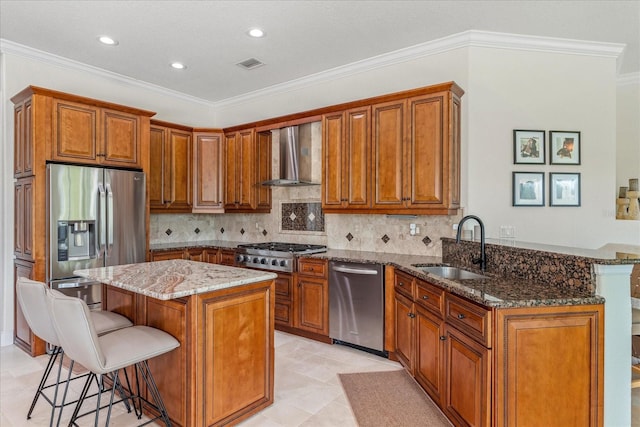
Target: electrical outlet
[(507, 232)]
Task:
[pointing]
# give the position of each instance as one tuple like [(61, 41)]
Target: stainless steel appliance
[(96, 218), (274, 256), (295, 157), (356, 305)]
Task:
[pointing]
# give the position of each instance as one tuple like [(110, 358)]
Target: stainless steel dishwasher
[(356, 305)]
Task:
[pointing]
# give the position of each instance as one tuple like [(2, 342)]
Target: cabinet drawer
[(312, 267), (283, 287), (430, 297), (227, 257), (469, 318), (282, 312), (404, 284)]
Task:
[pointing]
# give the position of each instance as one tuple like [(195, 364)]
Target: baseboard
[(6, 338)]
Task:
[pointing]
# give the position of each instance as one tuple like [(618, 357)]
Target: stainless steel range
[(274, 256)]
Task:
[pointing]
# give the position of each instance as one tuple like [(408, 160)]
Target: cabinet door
[(247, 172), (166, 255), (207, 173), (227, 257), (263, 156), (23, 337), (284, 294), (155, 178), (429, 369), (231, 158), (23, 218), (467, 397), (358, 158), (426, 151), (312, 298), (404, 331), (555, 349), (333, 160), (23, 143), (121, 146), (389, 164), (178, 170), (197, 254), (75, 132)]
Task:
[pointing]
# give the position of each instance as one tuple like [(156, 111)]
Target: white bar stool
[(110, 353), (32, 297)]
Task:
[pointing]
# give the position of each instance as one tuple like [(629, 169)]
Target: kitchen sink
[(447, 272)]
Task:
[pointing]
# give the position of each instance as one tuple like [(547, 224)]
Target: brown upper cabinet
[(395, 154), (170, 168), (208, 153), (247, 159), (89, 134)]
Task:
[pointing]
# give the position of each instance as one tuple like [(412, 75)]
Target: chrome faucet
[(483, 256)]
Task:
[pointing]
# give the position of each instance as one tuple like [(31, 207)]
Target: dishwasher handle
[(356, 270)]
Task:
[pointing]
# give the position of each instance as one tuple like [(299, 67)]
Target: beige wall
[(628, 130)]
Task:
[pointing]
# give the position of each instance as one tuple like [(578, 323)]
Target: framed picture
[(528, 189), (528, 147), (564, 147), (564, 189)]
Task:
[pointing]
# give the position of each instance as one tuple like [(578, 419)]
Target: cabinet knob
[(411, 315), (425, 296), (400, 283), (442, 338), (461, 316), (299, 284)]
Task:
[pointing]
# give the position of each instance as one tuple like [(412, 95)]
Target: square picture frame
[(529, 147), (564, 189), (528, 189), (564, 147)]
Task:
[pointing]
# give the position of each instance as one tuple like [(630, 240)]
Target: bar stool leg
[(45, 376), (153, 389)]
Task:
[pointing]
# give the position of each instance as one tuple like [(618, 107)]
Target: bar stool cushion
[(106, 353)]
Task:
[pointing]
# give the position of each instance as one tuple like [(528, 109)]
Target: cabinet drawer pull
[(442, 338), (461, 316), (425, 296)]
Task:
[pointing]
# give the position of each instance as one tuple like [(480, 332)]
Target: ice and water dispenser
[(76, 240)]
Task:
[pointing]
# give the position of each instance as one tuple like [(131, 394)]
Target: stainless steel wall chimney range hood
[(295, 157)]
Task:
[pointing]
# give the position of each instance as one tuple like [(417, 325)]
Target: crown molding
[(470, 38), (629, 79), (7, 46)]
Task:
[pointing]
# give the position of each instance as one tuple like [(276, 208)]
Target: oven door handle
[(355, 271)]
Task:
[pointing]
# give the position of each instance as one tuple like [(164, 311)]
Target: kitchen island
[(223, 317)]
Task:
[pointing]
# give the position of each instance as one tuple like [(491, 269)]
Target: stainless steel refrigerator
[(96, 218)]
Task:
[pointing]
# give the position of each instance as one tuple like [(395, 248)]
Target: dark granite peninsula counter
[(223, 316)]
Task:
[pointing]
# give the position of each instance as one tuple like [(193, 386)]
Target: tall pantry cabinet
[(56, 126)]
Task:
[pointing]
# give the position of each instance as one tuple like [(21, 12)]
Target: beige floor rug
[(390, 399)]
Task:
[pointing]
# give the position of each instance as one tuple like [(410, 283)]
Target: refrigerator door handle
[(109, 217), (102, 220)]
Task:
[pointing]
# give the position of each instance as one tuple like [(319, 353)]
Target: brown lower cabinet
[(501, 366), (203, 254), (223, 370)]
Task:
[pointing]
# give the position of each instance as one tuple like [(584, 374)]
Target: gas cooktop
[(275, 256)]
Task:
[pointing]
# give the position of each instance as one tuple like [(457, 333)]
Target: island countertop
[(171, 279)]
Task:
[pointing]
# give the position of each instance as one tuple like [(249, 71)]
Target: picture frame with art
[(528, 147), (564, 189), (564, 147), (528, 189)]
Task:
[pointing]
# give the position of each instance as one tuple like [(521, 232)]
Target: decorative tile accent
[(222, 230), (264, 232), (302, 217), (426, 240), (168, 232), (197, 230), (349, 237), (385, 238), (242, 231)]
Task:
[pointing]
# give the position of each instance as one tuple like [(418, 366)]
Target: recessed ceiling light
[(178, 65), (107, 40), (256, 32)]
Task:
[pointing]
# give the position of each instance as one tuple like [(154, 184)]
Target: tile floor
[(307, 389)]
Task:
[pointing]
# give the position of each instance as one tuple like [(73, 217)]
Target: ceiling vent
[(250, 64)]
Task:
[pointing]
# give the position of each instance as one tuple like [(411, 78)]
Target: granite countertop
[(171, 279), (198, 244), (493, 291)]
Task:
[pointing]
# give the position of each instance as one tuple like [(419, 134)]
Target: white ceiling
[(303, 37)]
